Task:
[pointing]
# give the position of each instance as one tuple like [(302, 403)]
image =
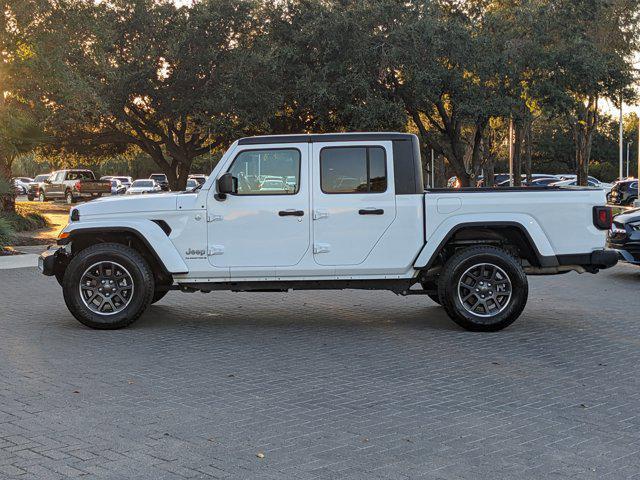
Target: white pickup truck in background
[(331, 211)]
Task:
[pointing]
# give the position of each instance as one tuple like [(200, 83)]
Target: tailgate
[(94, 186)]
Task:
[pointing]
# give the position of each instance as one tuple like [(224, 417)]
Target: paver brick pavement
[(331, 385)]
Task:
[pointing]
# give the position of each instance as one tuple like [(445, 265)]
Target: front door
[(267, 223), (353, 200)]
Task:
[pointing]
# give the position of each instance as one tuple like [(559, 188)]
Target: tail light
[(602, 217), (78, 186)]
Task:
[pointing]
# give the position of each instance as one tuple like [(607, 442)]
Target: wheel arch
[(150, 239), (509, 233)]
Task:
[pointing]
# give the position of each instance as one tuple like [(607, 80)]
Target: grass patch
[(25, 219)]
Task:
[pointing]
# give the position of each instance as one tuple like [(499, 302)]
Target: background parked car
[(73, 185), (573, 183), (502, 179), (161, 179), (624, 236), (34, 187), (543, 181), (192, 184), (126, 181), (144, 186), (117, 188), (21, 184), (198, 177), (624, 192)]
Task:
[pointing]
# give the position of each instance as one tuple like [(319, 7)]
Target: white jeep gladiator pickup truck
[(332, 211)]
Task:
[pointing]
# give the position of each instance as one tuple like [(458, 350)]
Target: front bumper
[(52, 261)]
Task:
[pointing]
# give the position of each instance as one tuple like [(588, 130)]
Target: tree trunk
[(8, 199), (177, 169), (584, 124), (476, 152), (528, 146), (517, 153), (441, 172), (488, 160)]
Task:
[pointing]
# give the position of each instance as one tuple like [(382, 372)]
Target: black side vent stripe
[(164, 226)]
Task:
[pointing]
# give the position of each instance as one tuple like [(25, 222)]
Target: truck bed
[(560, 220)]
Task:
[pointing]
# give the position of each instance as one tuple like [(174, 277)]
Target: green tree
[(19, 133), (588, 56), (174, 82)]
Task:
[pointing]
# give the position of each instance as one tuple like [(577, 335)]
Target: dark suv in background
[(624, 236), (162, 180), (624, 192)]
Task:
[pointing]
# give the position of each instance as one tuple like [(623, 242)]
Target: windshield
[(142, 183)]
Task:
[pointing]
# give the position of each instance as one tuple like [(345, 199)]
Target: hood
[(152, 202), (628, 216)]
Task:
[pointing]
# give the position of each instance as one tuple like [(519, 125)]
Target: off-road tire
[(69, 198), (137, 267), (458, 264), (31, 198), (42, 197)]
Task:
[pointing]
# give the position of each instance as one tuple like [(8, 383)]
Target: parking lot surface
[(330, 385)]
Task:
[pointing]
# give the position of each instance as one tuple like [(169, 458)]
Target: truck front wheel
[(108, 286), (483, 289)]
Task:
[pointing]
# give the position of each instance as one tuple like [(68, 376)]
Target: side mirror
[(227, 184)]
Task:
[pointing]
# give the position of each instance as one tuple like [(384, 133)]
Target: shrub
[(6, 232)]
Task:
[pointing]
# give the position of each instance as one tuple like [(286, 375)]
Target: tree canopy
[(176, 82)]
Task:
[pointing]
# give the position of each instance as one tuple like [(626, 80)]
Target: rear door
[(353, 199), (56, 187)]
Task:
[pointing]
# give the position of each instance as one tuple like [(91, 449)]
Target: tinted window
[(353, 170), (142, 183), (82, 175), (267, 172)]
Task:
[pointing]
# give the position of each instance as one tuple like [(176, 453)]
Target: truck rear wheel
[(483, 289), (69, 198), (108, 286)]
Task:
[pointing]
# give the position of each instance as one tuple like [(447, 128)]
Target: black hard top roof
[(324, 137)]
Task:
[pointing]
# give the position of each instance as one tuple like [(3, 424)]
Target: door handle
[(371, 211), (291, 213)]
